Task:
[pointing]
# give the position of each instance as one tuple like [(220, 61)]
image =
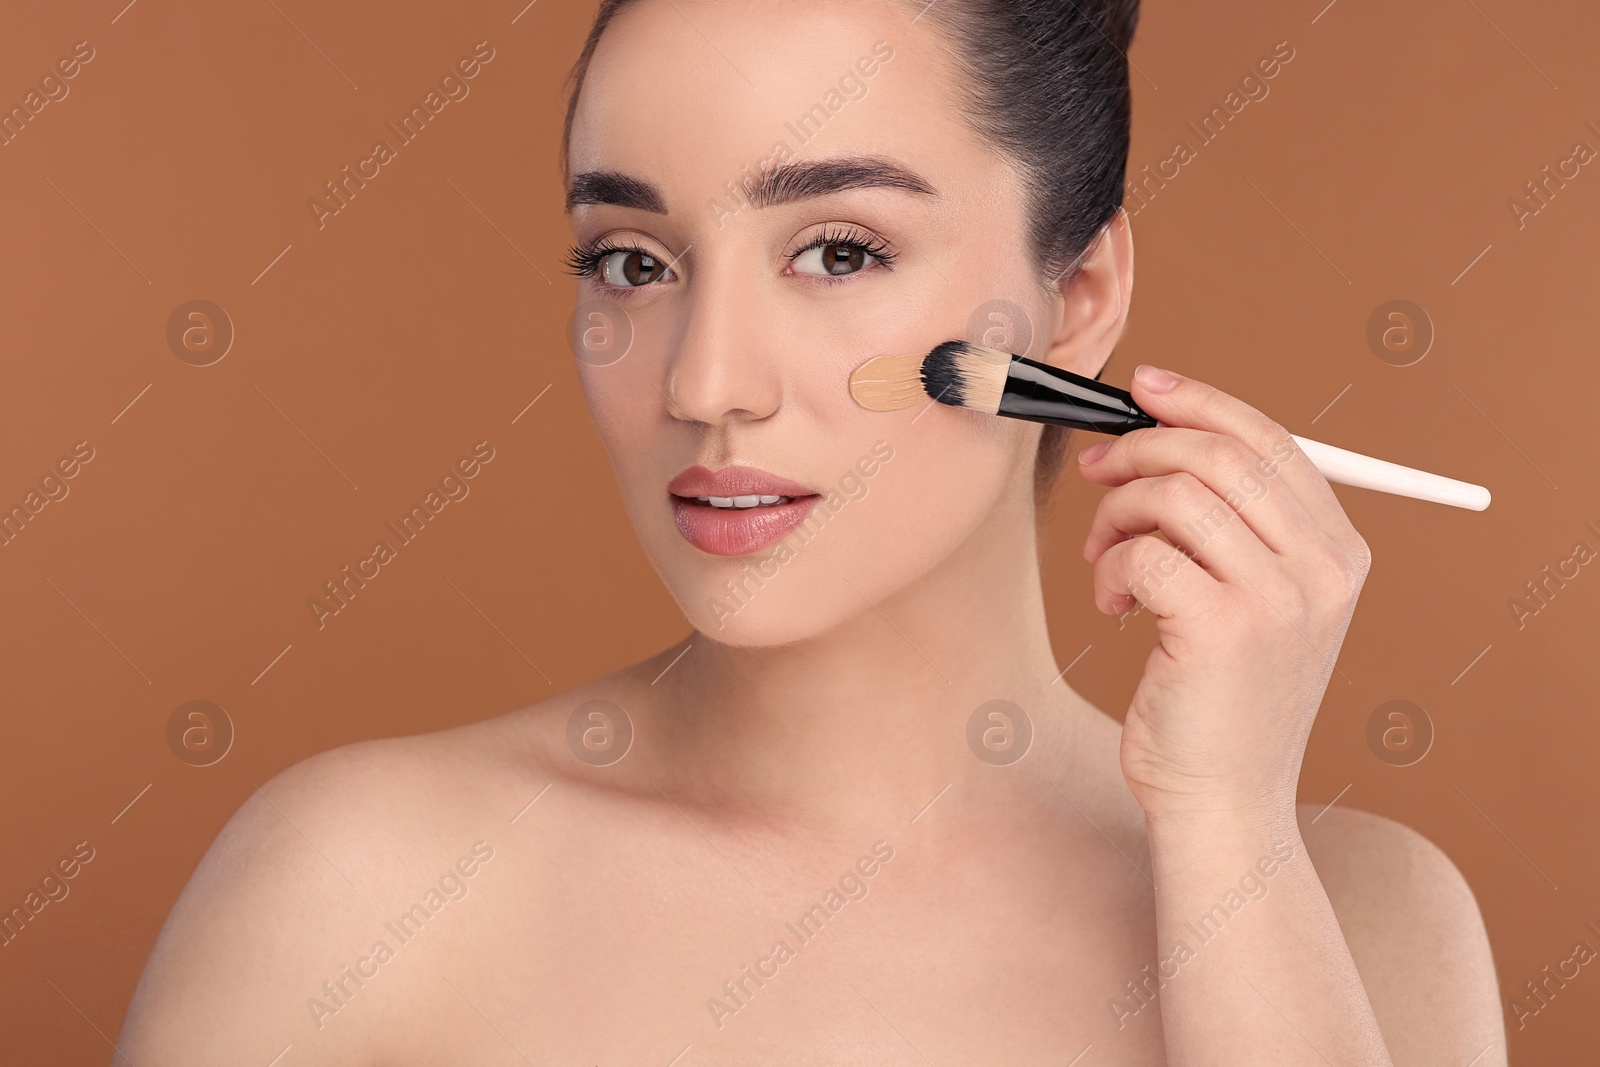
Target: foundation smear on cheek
[(888, 383)]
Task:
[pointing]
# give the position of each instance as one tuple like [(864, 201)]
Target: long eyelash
[(851, 238), (585, 261)]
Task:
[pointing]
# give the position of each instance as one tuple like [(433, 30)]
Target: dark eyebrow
[(799, 179), (610, 187)]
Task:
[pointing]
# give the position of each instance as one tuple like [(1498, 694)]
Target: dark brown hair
[(1045, 82)]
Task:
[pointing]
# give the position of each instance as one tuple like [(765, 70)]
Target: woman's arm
[(1416, 935), (266, 918), (1353, 917), (1252, 590), (1261, 971)]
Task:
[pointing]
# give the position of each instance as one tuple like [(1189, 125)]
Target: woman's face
[(892, 230)]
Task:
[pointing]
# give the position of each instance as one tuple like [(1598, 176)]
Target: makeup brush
[(966, 375)]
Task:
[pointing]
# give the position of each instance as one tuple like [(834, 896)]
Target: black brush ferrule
[(1038, 392)]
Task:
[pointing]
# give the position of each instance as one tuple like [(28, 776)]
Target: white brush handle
[(1365, 472)]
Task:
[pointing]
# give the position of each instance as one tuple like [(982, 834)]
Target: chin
[(777, 597), (766, 625)]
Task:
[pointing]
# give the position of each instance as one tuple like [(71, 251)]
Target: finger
[(1234, 474), (1200, 406), (1192, 517), (1153, 573)]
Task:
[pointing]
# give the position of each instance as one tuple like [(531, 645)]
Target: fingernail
[(1154, 378), (1093, 452)]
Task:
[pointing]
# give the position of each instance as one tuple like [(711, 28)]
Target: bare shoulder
[(1415, 933), (287, 909)]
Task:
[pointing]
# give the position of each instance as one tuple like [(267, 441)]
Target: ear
[(1092, 304)]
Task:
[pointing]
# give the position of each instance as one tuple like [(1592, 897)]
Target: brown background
[(431, 311)]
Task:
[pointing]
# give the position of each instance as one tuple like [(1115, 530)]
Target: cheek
[(625, 404), (612, 406), (629, 419), (951, 470)]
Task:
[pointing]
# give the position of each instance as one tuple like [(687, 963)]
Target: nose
[(722, 371)]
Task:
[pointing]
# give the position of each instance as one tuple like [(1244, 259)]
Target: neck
[(868, 721)]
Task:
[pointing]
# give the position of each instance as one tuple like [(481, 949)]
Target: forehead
[(697, 94)]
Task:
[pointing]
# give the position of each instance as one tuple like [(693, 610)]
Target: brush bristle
[(965, 375)]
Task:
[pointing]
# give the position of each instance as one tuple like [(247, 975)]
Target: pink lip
[(736, 532), (733, 481)]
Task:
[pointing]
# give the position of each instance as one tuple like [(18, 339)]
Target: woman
[(858, 816)]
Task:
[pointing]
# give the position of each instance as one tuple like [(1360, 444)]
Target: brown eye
[(843, 259), (836, 255), (631, 269)]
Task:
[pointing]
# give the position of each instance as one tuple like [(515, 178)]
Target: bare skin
[(816, 740), (612, 914)]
